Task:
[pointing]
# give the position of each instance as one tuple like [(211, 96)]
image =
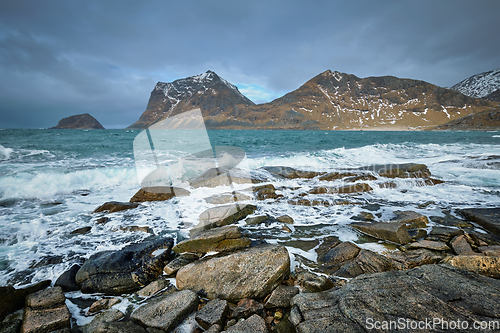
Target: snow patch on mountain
[(479, 85)]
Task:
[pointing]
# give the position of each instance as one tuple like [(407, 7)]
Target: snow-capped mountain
[(480, 85), (331, 100)]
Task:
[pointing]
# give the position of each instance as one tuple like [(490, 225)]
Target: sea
[(52, 180)]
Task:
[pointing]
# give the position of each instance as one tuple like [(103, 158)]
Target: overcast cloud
[(59, 58)]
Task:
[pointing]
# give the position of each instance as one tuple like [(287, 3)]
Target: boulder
[(444, 234), (12, 299), (413, 220), (493, 250), (285, 219), (422, 293), (225, 198), (181, 261), (430, 245), (314, 282), (406, 170), (102, 304), (263, 192), (45, 311), (338, 175), (488, 218), (414, 258), (254, 324), (223, 177), (99, 322), (118, 327), (247, 307), (164, 312), (115, 206), (484, 265), (347, 189), (222, 215), (153, 288), (281, 297), (461, 247), (67, 279), (250, 273), (81, 231), (390, 231), (291, 173), (158, 193), (223, 239), (366, 262), (257, 219), (214, 312), (115, 272)]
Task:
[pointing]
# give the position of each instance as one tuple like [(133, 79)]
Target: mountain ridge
[(330, 100), (483, 85)]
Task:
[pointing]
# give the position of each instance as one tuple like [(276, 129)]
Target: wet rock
[(391, 231), (67, 279), (222, 177), (281, 297), (114, 272), (313, 282), (461, 247), (164, 312), (153, 288), (347, 189), (101, 319), (417, 233), (257, 219), (225, 198), (363, 216), (247, 307), (413, 220), (264, 192), (484, 265), (119, 327), (223, 239), (102, 304), (250, 273), (492, 251), (214, 312), (158, 193), (46, 298), (430, 245), (488, 218), (135, 228), (12, 323), (81, 231), (414, 258), (366, 262), (102, 220), (406, 170), (337, 175), (222, 215), (444, 234), (115, 206), (291, 173), (285, 219), (426, 292), (254, 324), (12, 299), (181, 261), (47, 260), (45, 311)]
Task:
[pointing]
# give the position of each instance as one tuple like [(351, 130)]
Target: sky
[(66, 57)]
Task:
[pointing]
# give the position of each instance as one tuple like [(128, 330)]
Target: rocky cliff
[(79, 121), (331, 100), (483, 85)]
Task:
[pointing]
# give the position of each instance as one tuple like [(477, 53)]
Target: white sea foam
[(5, 153)]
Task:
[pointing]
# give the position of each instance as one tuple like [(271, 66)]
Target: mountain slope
[(331, 100), (79, 121), (483, 121), (480, 85), (207, 91)]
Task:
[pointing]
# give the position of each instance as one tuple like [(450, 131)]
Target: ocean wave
[(5, 153)]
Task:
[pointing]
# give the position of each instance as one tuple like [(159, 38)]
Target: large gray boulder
[(416, 295), (227, 238), (250, 273), (164, 312), (222, 215), (115, 272)]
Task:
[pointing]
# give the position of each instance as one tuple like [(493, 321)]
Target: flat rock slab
[(223, 177), (227, 238), (108, 316), (158, 193), (405, 170), (181, 261), (461, 247), (246, 308), (222, 215), (45, 320), (153, 287), (115, 206), (291, 173), (413, 220), (391, 231), (115, 272), (214, 312), (225, 198), (414, 258), (488, 218), (254, 324), (430, 245), (418, 294), (484, 265), (444, 234), (493, 250), (46, 298), (12, 299), (281, 297), (164, 312), (250, 273)]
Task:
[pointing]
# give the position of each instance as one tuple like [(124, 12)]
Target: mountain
[(331, 100), (79, 121), (208, 91), (484, 85), (483, 121)]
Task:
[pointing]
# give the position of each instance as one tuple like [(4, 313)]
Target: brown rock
[(281, 297), (264, 192), (12, 299), (214, 312), (413, 220), (45, 320), (47, 298), (285, 219), (81, 231), (488, 218), (223, 239), (102, 304), (461, 247), (222, 215), (153, 288), (158, 193), (313, 282), (181, 261), (225, 198), (484, 265), (492, 251), (101, 319), (414, 258), (430, 245), (115, 206), (291, 173), (247, 307), (391, 231), (254, 324)]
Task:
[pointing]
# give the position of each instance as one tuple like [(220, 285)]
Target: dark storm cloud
[(59, 58)]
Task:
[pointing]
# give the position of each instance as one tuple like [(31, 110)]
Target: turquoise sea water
[(50, 181)]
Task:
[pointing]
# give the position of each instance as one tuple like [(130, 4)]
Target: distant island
[(79, 121)]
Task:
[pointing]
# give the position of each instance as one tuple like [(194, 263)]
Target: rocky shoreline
[(229, 277)]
